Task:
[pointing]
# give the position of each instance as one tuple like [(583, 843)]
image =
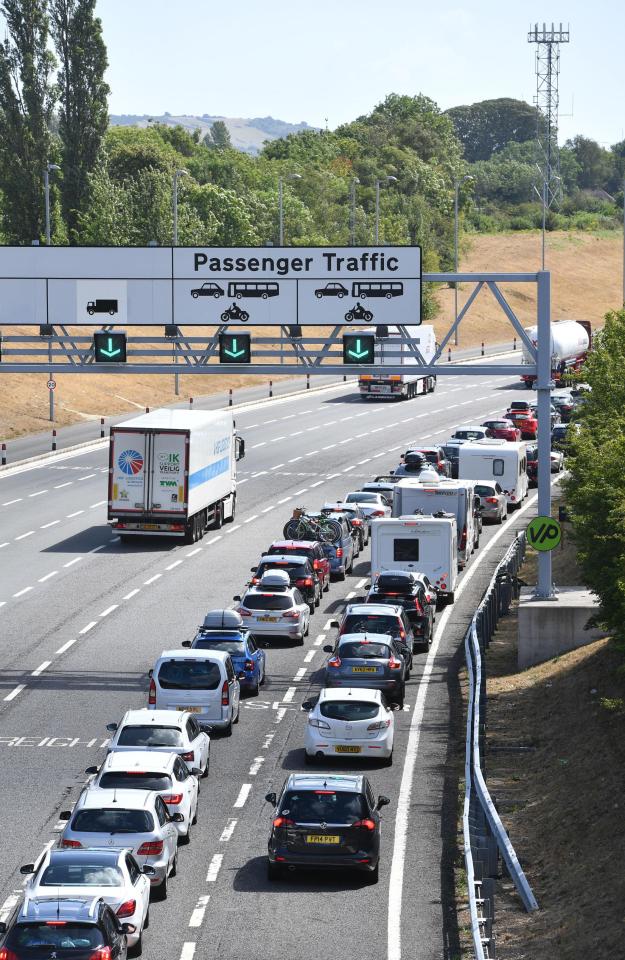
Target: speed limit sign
[(51, 384)]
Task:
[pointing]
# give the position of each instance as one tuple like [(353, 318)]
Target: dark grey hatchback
[(325, 821)]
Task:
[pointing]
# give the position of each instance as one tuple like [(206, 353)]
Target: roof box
[(223, 620)]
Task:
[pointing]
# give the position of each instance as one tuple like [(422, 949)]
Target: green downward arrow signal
[(110, 352), (358, 353), (232, 351)]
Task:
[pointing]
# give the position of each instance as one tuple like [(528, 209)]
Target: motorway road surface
[(83, 618)]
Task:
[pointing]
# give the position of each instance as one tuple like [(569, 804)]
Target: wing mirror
[(112, 727), (196, 771), (334, 623), (27, 868), (177, 818), (3, 926), (382, 801), (150, 673), (328, 648), (65, 814), (271, 798), (253, 569), (186, 643), (237, 598), (91, 771), (148, 870)]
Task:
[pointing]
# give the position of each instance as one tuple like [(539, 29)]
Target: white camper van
[(420, 544), (500, 461), (453, 496)]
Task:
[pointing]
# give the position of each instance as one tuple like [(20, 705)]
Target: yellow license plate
[(364, 669), (149, 526), (344, 748), (190, 709), (322, 838), (268, 619)]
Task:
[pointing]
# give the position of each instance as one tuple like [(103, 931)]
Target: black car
[(387, 617), (79, 927), (532, 466), (300, 571), (452, 454), (327, 821), (406, 590)]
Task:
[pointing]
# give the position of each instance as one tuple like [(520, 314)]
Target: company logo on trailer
[(130, 462)]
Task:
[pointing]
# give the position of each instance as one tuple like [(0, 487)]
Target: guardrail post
[(191, 403), (101, 428), (271, 388), (514, 343), (448, 354), (4, 454), (147, 409), (54, 439), (308, 381), (230, 397), (482, 348)]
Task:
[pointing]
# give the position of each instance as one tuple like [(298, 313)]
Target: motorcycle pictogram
[(358, 313), (235, 313)]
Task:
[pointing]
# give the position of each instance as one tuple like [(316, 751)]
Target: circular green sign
[(544, 533)]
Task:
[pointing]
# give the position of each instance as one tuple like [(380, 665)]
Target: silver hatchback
[(493, 503), (374, 661)]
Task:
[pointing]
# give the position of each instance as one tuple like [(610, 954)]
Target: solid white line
[(192, 553), (15, 692), (288, 696), (244, 793), (42, 666), (89, 627), (20, 593), (132, 593), (309, 656), (66, 646), (77, 513), (156, 576), (214, 867), (198, 913), (75, 560), (396, 880), (176, 563), (51, 524), (188, 950), (301, 673), (228, 830), (47, 576), (110, 609), (37, 494), (23, 536)]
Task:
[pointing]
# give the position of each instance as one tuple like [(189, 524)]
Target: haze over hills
[(247, 134)]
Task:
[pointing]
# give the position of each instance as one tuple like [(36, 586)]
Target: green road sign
[(358, 348), (109, 347), (544, 533), (235, 348)]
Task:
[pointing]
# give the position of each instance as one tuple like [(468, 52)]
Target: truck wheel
[(218, 516), (234, 509)]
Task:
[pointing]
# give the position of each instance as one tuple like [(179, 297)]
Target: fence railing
[(485, 837)]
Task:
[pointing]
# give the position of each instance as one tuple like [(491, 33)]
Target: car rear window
[(267, 601), (364, 651), (499, 424), (323, 806), (189, 675), (294, 570), (484, 491), (113, 821), (451, 452), (297, 551), (348, 710), (40, 938), (386, 582), (469, 434), (150, 736), (361, 497), (370, 623), (82, 875), (135, 780), (226, 644)]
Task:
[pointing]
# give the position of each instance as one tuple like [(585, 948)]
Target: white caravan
[(418, 544), (500, 461), (451, 496)]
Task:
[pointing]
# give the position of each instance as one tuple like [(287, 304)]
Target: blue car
[(224, 630), (340, 553)]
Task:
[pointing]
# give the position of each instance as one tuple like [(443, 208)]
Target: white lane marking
[(156, 576), (228, 830), (296, 434), (198, 912), (66, 646), (51, 524), (60, 485), (75, 560), (266, 422), (309, 656), (350, 595), (329, 446), (249, 519), (9, 903), (301, 673), (347, 469), (192, 553), (237, 526), (90, 626), (275, 440), (277, 466), (110, 609), (298, 492), (2, 603), (87, 476), (258, 762), (268, 509), (42, 666), (244, 793), (317, 484), (8, 503), (267, 741), (396, 880), (5, 544), (20, 593), (212, 540), (214, 867), (98, 504), (176, 563), (23, 536), (76, 514), (319, 640), (284, 499), (361, 583), (289, 416), (260, 473), (327, 625), (288, 696), (37, 494), (295, 459), (280, 714), (47, 576), (263, 443), (133, 593), (188, 950), (15, 692), (366, 460)]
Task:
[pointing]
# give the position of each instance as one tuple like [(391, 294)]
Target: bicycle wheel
[(330, 530), (294, 529)]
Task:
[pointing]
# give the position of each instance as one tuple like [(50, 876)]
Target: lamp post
[(352, 232), (290, 176), (46, 185), (457, 184), (177, 175), (389, 179)]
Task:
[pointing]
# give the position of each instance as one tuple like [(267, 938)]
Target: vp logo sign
[(544, 533)]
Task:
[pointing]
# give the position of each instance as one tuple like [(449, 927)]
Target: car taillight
[(356, 523), (7, 954), (102, 953), (243, 612), (283, 822), (418, 607), (402, 634), (188, 756), (291, 615), (74, 844), (225, 694), (151, 848), (173, 798), (128, 907), (365, 824), (379, 725), (334, 662), (152, 694), (304, 582), (394, 664), (378, 513), (339, 552), (318, 724), (463, 539), (255, 580), (490, 499), (316, 565), (248, 665)]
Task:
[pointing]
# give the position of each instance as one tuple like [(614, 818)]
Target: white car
[(374, 505), (557, 461), (350, 721), (117, 819), (274, 608), (165, 773), (113, 875), (477, 432), (165, 731)]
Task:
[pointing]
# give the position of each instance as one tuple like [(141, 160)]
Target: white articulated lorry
[(173, 473), (405, 385)]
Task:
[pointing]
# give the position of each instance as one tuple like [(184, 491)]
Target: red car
[(525, 421), (306, 548), (434, 456), (502, 430)]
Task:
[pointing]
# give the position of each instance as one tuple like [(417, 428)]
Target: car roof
[(283, 558), (364, 637), (258, 589), (420, 449), (143, 716), (369, 608), (188, 654), (98, 798), (293, 544), (339, 693), (83, 909), (323, 781), (145, 760)]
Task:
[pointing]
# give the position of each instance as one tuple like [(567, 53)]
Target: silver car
[(274, 608), (493, 502), (361, 660), (134, 819)]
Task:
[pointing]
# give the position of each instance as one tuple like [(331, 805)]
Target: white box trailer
[(497, 460), (451, 496), (420, 544), (405, 385), (173, 473)]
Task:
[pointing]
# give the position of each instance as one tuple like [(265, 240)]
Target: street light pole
[(389, 179), (46, 190), (457, 184), (290, 176), (355, 180)]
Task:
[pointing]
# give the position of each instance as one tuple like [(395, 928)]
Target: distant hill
[(247, 135)]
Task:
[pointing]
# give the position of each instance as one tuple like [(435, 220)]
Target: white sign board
[(209, 286)]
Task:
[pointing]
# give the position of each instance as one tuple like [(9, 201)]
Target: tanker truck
[(570, 342)]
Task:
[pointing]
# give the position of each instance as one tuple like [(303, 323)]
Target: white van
[(421, 544), (441, 493), (497, 461), (202, 682)]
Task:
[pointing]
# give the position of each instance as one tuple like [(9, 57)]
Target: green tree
[(486, 127), (219, 136), (594, 161), (83, 98), (26, 104)]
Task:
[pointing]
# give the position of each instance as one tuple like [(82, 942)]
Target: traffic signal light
[(235, 348), (358, 348), (109, 347)]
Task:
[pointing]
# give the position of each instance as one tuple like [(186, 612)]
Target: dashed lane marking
[(89, 627), (110, 609), (192, 553), (86, 477), (319, 640), (37, 494), (214, 867), (228, 830), (244, 793), (171, 566), (23, 536), (8, 503), (68, 483), (197, 916), (66, 646), (133, 593), (188, 950), (301, 673), (15, 692), (288, 696), (51, 524), (157, 576), (309, 656), (42, 666), (48, 576), (72, 562), (20, 593), (255, 767)]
